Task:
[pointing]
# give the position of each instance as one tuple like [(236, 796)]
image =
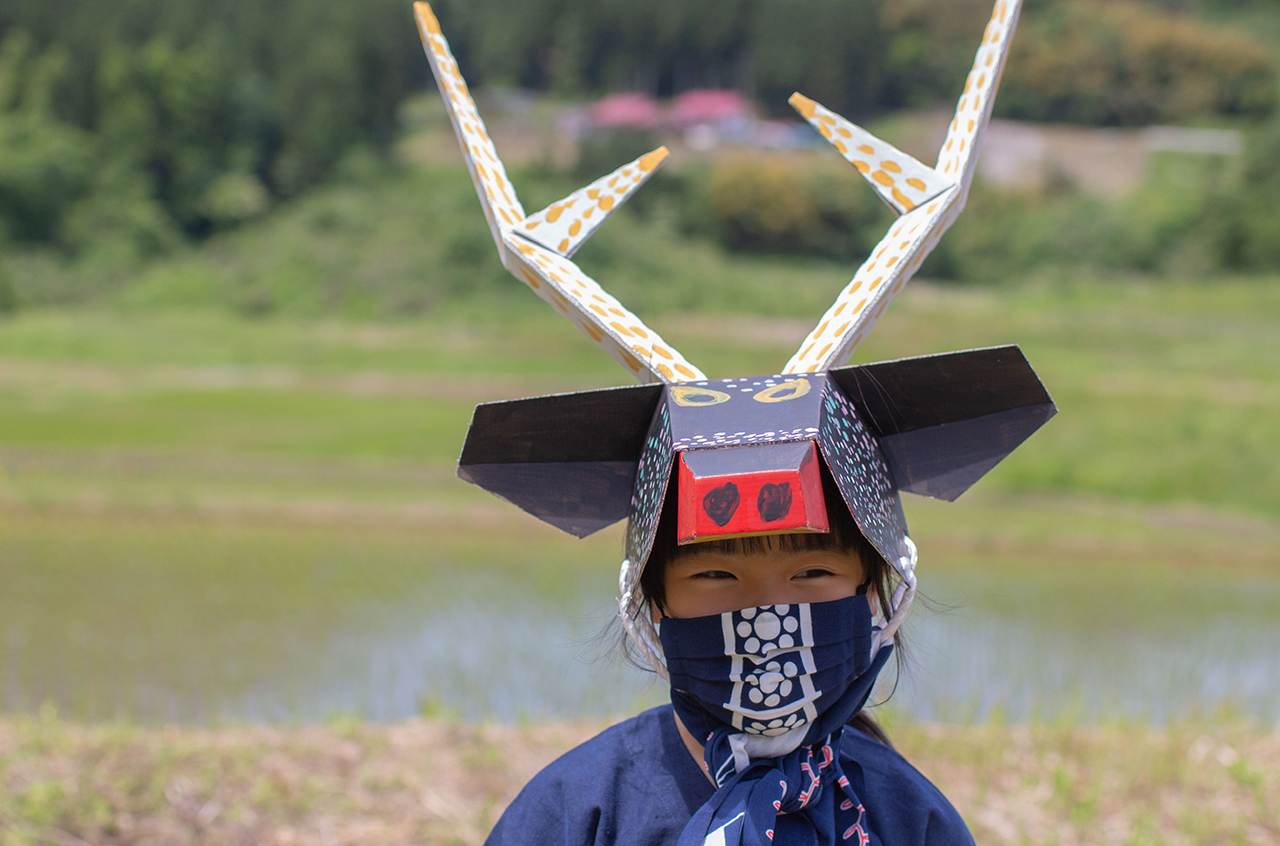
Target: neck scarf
[(768, 691)]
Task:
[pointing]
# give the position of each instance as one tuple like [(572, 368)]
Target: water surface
[(199, 623)]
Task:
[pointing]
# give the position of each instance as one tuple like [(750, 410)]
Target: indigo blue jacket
[(635, 784)]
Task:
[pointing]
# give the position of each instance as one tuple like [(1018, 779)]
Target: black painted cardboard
[(931, 425)]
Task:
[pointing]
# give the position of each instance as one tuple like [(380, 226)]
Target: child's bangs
[(765, 544)]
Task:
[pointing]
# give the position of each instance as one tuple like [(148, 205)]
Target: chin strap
[(903, 594), (635, 622)]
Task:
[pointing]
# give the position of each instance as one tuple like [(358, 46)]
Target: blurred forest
[(134, 130)]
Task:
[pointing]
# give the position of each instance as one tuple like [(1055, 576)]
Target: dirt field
[(441, 782)]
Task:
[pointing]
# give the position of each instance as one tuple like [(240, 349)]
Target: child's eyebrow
[(689, 561), (699, 562)]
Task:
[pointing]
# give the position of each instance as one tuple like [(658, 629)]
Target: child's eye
[(714, 574), (813, 573)]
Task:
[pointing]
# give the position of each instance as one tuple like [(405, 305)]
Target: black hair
[(844, 536)]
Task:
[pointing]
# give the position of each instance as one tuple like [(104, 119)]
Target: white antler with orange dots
[(899, 179), (928, 199), (564, 226), (536, 248)]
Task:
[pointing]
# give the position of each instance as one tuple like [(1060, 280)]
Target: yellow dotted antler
[(929, 199), (899, 179), (564, 226), (497, 196), (959, 154), (535, 249)]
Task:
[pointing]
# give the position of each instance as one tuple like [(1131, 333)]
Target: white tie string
[(636, 623)]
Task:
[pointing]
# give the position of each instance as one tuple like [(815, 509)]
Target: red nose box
[(760, 489)]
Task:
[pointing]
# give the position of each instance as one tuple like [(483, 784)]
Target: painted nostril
[(721, 503), (774, 501)]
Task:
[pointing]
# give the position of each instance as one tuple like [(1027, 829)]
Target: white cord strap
[(903, 594), (636, 623)]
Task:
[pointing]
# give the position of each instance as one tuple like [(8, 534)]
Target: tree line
[(1108, 62), (141, 123)]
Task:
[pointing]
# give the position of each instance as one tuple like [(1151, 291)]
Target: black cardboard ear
[(943, 421), (567, 459)]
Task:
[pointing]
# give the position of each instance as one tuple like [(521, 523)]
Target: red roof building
[(626, 110), (713, 106)]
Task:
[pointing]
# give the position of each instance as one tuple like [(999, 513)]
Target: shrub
[(1123, 62), (1244, 221), (781, 204), (44, 167), (8, 296)]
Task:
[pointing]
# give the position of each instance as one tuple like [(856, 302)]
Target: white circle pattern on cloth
[(772, 686)]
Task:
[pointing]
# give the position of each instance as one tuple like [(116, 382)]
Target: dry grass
[(421, 782), (441, 782), (1121, 784)]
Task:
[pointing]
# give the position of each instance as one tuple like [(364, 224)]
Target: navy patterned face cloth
[(768, 691)]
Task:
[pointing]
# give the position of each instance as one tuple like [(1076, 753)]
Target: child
[(648, 780), (768, 565)]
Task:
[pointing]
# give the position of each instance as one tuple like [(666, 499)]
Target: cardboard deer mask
[(747, 455)]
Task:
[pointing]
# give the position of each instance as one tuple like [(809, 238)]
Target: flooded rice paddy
[(192, 622)]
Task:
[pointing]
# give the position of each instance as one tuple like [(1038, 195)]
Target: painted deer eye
[(794, 389), (691, 396)]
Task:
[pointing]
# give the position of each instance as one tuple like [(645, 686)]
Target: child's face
[(713, 582)]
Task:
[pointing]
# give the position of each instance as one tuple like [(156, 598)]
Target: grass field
[(1168, 392), (440, 782)]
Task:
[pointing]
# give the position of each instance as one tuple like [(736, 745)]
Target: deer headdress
[(748, 453)]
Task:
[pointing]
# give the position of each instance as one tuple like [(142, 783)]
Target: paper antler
[(929, 199), (536, 248)]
